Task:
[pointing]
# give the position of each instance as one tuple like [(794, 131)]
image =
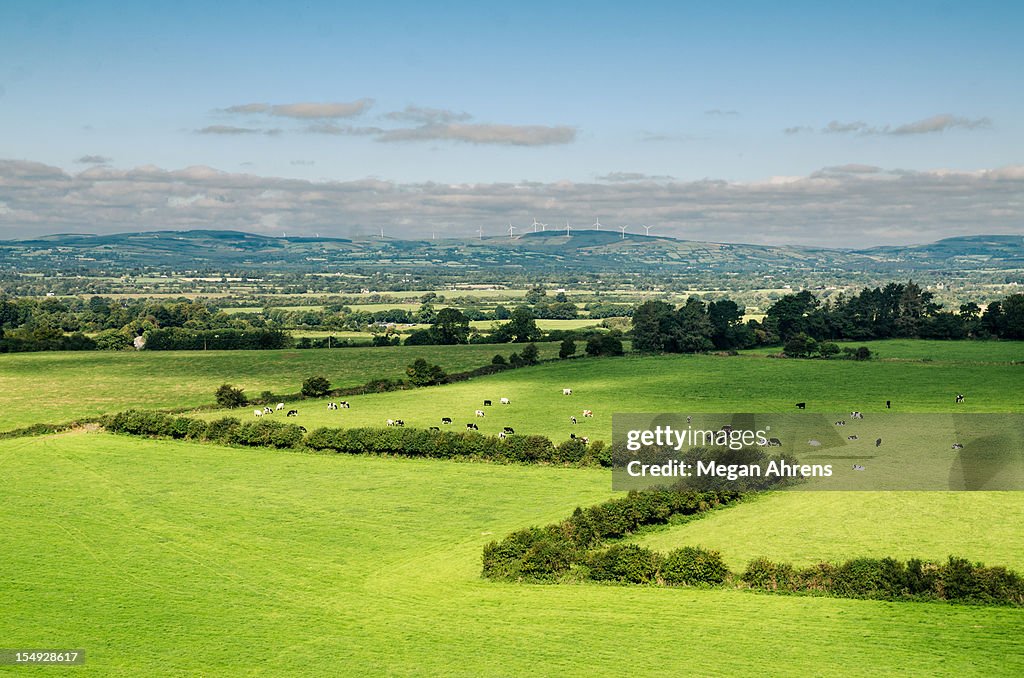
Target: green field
[(808, 527), (163, 557), (56, 386), (166, 558), (680, 383)]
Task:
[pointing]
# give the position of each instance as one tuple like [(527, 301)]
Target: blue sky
[(631, 99)]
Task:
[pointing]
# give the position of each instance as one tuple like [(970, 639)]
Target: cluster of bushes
[(260, 433), (804, 346), (957, 579), (457, 445), (410, 442), (548, 553)]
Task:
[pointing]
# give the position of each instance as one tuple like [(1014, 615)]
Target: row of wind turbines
[(539, 227)]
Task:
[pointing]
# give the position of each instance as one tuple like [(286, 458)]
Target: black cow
[(344, 404), (472, 427), (292, 413), (572, 419), (801, 406), (959, 398), (303, 429), (434, 428), (774, 442), (958, 446), (487, 403), (878, 443), (888, 404), (446, 420), (509, 429)]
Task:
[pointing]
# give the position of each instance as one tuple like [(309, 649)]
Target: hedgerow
[(577, 549)]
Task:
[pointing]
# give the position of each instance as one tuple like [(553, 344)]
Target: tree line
[(801, 320)]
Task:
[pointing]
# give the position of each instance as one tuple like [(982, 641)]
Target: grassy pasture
[(60, 386), (167, 558), (678, 383), (808, 527), (933, 350)]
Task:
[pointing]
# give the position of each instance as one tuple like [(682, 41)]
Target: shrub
[(499, 359), (694, 565), (316, 387), (229, 396), (263, 433), (530, 354), (567, 349), (762, 573), (220, 430), (625, 563)]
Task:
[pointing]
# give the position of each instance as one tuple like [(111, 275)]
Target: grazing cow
[(726, 429), (344, 404), (332, 406), (774, 442), (434, 428), (841, 422), (585, 439), (572, 436), (566, 391), (958, 446), (878, 443), (280, 406), (858, 467), (446, 420), (303, 429), (959, 398), (472, 427), (689, 420), (258, 413), (588, 413), (292, 413), (509, 430), (399, 422), (390, 422), (487, 403), (267, 410), (801, 406), (572, 419), (888, 404), (479, 413), (814, 443), (502, 435), (506, 401), (856, 415), (851, 437)]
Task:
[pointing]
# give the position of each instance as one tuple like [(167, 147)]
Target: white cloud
[(478, 133), (842, 206)]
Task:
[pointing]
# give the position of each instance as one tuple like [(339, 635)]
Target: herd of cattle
[(508, 430), (446, 421)]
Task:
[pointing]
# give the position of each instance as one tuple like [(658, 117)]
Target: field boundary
[(577, 550)]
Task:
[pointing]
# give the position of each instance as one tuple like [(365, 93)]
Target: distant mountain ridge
[(583, 249)]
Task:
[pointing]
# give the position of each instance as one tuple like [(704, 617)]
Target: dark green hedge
[(577, 548), (408, 442)]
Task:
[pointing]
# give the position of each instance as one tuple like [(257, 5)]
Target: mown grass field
[(53, 387), (808, 527), (697, 383), (168, 558)]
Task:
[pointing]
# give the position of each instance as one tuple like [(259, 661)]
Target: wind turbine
[(510, 229), (647, 228), (567, 228), (623, 229), (536, 224), (597, 223), (381, 232), (481, 232)]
